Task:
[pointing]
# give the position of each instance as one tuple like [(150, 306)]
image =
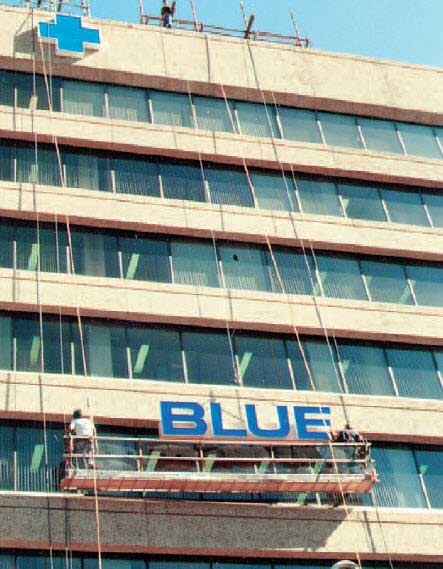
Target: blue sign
[(188, 419), (69, 35)]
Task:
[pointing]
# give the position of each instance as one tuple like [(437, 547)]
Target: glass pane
[(7, 153), (430, 465), (25, 92), (386, 282), (57, 346), (427, 283), (145, 259), (246, 268), (7, 80), (46, 246), (419, 140), (136, 177), (194, 264), (45, 562), (213, 114), (399, 483), (362, 202), (298, 124), (341, 278), (7, 447), (295, 270), (32, 474), (380, 135), (209, 358), (340, 130), (155, 354), (127, 104), (322, 362), (434, 203), (415, 373), (81, 98), (405, 207), (5, 342), (228, 186), (262, 362), (173, 109), (178, 565), (26, 165), (319, 197), (49, 168), (365, 370), (105, 350), (87, 171), (28, 345), (182, 182), (6, 244), (94, 253), (113, 564), (257, 120), (274, 192)]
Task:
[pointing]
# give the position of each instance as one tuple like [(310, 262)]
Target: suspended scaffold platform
[(140, 464)]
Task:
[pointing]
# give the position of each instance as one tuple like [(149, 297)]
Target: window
[(28, 345), (341, 277), (362, 202), (81, 98), (434, 203), (6, 344), (6, 161), (386, 282), (214, 114), (380, 135), (247, 268), (274, 192), (257, 119), (399, 484), (365, 369), (127, 104), (38, 167), (228, 186), (300, 125), (87, 171), (25, 92), (105, 350), (323, 367), (136, 177), (145, 259), (419, 140), (6, 244), (182, 182), (209, 358), (430, 466), (427, 283), (340, 130), (173, 109), (415, 373), (94, 253), (405, 207), (295, 270), (7, 91), (194, 264), (155, 354), (262, 362), (319, 197)]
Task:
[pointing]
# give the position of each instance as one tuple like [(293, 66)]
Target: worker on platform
[(352, 452), (84, 432), (167, 13)]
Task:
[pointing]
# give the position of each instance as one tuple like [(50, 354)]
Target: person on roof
[(167, 14), (84, 432)]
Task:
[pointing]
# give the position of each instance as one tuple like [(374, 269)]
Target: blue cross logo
[(69, 35)]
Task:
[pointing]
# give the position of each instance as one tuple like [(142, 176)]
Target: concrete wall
[(242, 530)]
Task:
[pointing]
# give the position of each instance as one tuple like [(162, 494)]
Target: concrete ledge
[(201, 306), (172, 527), (193, 219), (136, 403)]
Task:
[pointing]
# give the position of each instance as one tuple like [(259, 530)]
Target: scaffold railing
[(76, 7), (143, 464)]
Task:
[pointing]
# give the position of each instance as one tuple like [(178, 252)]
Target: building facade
[(188, 217)]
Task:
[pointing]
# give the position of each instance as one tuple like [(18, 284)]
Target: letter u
[(279, 433)]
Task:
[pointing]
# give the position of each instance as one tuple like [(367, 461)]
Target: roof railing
[(247, 33)]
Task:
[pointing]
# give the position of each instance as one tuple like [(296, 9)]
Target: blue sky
[(402, 30)]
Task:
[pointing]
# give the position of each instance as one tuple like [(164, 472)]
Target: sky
[(399, 30)]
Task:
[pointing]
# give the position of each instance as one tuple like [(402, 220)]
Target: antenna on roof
[(77, 7)]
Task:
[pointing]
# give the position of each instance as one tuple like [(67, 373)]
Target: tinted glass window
[(322, 362), (405, 207), (430, 466), (87, 171), (257, 119), (84, 98), (341, 278), (246, 268), (136, 177), (298, 124), (380, 135), (296, 271), (127, 104), (145, 259), (194, 263), (362, 202), (209, 358), (274, 192), (7, 81), (172, 109), (228, 187), (427, 283), (319, 197), (419, 140), (94, 254), (434, 203), (340, 130), (386, 282), (214, 114), (182, 182), (415, 373)]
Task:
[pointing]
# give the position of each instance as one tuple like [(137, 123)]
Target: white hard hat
[(345, 565)]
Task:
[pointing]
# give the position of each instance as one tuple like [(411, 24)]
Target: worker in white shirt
[(84, 432)]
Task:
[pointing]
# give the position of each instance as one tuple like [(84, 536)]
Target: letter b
[(172, 413)]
